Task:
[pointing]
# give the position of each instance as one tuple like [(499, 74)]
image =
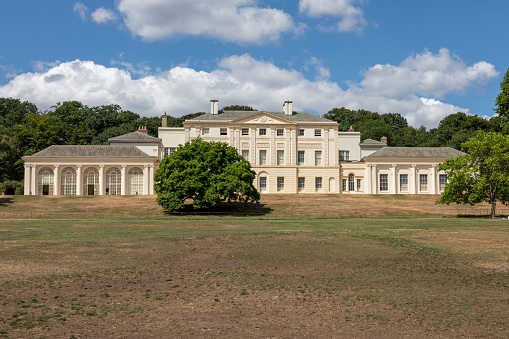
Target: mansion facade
[(291, 152)]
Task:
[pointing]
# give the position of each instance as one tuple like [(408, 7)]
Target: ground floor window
[(91, 181), (442, 181), (359, 184), (68, 181), (135, 181), (46, 181), (113, 181), (263, 184), (403, 182), (384, 183), (344, 184), (351, 182), (318, 183), (423, 182), (280, 183), (301, 181)]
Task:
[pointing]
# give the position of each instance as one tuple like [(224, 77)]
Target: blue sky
[(422, 59)]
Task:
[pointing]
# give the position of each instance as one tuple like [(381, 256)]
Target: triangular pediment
[(263, 118)]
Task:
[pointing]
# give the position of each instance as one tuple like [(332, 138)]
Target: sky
[(422, 59)]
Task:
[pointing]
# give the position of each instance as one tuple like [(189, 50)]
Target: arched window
[(45, 181), (351, 182), (68, 181), (113, 181), (90, 181), (135, 181)]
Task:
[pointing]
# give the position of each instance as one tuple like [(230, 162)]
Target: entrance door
[(45, 189), (263, 184), (91, 190)]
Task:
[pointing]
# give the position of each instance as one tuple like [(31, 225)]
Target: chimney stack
[(164, 120), (384, 140), (143, 129), (214, 107), (287, 106)]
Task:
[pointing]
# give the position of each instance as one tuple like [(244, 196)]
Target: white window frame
[(423, 182), (403, 184), (318, 158), (344, 155), (280, 157), (318, 132), (299, 160), (280, 183), (280, 132), (223, 131), (318, 183), (244, 131), (262, 159), (442, 181), (301, 183), (301, 132), (262, 131), (245, 154), (383, 183)]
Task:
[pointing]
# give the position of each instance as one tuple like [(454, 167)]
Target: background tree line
[(25, 130)]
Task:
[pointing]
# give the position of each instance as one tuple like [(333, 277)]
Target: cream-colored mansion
[(291, 152)]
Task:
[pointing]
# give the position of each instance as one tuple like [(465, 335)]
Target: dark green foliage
[(482, 175), (502, 101), (238, 108), (205, 172), (11, 187), (457, 128), (179, 122)]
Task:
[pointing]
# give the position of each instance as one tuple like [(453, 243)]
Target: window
[(403, 182), (262, 131), (384, 183), (263, 184), (318, 132), (280, 157), (344, 155), (280, 183), (223, 131), (318, 183), (301, 182), (135, 181), (442, 181), (91, 181), (245, 131), (68, 181), (263, 157), (205, 130), (359, 184), (45, 181), (300, 157), (301, 132), (344, 182), (113, 181), (245, 154), (318, 158), (169, 150), (351, 182), (280, 132), (423, 182)]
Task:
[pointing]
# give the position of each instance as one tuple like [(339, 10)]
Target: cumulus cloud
[(103, 15), (239, 21), (351, 17), (411, 88), (81, 10)]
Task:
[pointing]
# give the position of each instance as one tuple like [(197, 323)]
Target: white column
[(27, 190), (433, 179), (151, 180), (101, 180), (392, 186), (374, 176), (123, 180), (367, 180), (33, 180), (146, 176), (413, 181), (79, 183), (56, 179)]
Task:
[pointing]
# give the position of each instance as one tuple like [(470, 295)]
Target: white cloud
[(81, 9), (103, 15), (351, 17), (239, 21), (411, 88)]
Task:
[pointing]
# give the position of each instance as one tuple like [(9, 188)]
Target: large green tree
[(481, 175), (205, 172)]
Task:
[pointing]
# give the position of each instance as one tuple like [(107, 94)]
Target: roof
[(134, 137), (371, 142), (236, 115), (416, 152), (90, 151)]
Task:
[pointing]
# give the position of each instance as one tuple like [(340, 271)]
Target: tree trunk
[(493, 205)]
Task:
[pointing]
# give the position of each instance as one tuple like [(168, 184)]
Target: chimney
[(287, 107), (214, 107), (384, 140), (164, 120), (143, 129)]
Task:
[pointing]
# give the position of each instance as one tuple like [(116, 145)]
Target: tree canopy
[(481, 175), (205, 172)]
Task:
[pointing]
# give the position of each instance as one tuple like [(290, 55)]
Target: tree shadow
[(6, 200), (238, 209)]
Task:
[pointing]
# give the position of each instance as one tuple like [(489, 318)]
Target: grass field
[(286, 276)]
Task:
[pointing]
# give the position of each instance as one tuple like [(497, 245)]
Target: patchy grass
[(255, 277)]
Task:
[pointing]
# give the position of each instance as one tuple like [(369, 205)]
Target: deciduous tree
[(481, 175), (207, 173)]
